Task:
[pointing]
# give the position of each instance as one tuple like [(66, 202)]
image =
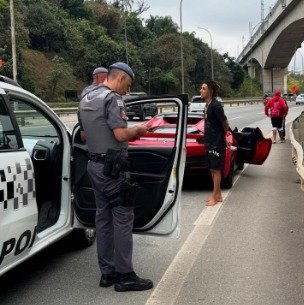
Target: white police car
[(45, 193)]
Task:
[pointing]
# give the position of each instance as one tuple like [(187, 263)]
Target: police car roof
[(8, 80)]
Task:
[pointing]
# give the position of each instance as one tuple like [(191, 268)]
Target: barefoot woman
[(216, 126)]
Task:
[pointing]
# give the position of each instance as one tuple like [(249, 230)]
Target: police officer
[(102, 112), (99, 76)]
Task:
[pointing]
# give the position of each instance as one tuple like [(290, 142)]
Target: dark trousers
[(113, 224), (282, 134)]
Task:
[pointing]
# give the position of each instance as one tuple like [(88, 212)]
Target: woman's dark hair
[(213, 87)]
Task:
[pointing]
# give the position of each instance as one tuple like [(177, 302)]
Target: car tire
[(83, 238), (143, 116), (130, 117), (240, 166), (228, 181)]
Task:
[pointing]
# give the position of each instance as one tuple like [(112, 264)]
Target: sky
[(226, 20)]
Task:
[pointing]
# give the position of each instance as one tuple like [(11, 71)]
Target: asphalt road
[(61, 275)]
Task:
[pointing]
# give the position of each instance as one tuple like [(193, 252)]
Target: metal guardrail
[(243, 101), (297, 142), (169, 106), (65, 111)]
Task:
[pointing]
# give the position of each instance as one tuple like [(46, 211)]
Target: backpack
[(276, 109)]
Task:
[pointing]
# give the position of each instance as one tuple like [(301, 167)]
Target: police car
[(45, 192)]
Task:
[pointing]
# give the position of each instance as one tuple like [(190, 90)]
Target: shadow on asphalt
[(47, 260), (197, 183), (30, 270)]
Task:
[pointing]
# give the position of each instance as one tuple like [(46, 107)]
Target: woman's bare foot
[(211, 202), (220, 199)]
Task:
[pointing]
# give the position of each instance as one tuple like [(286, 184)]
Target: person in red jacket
[(276, 109)]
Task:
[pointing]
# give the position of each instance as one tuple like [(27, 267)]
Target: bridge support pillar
[(251, 70), (275, 78)]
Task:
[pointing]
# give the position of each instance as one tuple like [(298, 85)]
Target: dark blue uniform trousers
[(113, 224)]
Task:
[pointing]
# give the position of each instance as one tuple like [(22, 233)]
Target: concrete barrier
[(297, 142)]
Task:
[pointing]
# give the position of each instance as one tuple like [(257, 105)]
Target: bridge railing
[(297, 141)]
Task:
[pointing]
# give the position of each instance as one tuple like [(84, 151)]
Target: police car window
[(8, 138), (31, 122)]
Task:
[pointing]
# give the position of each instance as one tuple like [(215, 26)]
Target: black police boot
[(131, 282), (108, 280)]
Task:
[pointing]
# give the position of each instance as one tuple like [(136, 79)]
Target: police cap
[(124, 67), (100, 70)]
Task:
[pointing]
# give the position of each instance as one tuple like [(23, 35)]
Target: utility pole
[(250, 29), (211, 52), (126, 35), (181, 45), (262, 10), (13, 40), (294, 62)]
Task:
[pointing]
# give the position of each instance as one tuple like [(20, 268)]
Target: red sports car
[(251, 145)]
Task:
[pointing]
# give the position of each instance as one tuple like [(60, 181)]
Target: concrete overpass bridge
[(271, 48)]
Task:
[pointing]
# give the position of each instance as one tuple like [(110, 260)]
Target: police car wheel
[(83, 238)]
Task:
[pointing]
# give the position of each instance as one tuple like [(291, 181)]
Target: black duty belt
[(99, 158)]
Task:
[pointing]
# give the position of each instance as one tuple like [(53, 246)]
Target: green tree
[(201, 69), (222, 74), (46, 32), (84, 34), (80, 36), (137, 34), (61, 73), (123, 5), (249, 87), (161, 25), (238, 73), (163, 61), (107, 16), (21, 35), (75, 8)]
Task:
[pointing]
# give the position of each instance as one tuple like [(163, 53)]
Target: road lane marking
[(237, 117), (168, 289), (170, 285), (207, 216)]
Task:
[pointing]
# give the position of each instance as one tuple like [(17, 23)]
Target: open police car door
[(157, 169)]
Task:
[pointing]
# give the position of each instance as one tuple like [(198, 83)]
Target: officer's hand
[(141, 129)]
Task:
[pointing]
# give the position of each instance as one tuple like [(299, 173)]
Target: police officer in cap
[(99, 76), (104, 120)]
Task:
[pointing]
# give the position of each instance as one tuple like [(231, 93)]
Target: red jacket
[(282, 105)]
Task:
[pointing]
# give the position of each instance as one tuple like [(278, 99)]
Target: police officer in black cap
[(104, 120)]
